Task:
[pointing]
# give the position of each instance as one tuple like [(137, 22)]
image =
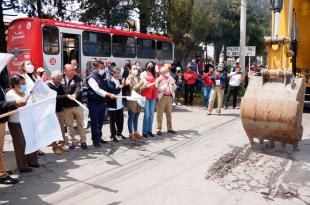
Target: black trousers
[(116, 122), (232, 90), (189, 91)]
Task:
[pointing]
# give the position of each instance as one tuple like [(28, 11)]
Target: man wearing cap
[(165, 88), (41, 72)]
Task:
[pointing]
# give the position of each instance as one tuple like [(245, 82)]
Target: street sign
[(235, 51)]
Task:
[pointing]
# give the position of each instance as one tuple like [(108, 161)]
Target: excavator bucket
[(272, 108)]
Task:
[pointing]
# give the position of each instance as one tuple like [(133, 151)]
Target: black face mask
[(151, 68), (128, 64)]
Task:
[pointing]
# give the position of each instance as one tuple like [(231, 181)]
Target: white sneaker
[(173, 104)]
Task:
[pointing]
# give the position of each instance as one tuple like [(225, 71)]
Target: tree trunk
[(39, 8), (145, 15), (217, 52), (225, 56), (60, 10), (2, 31)]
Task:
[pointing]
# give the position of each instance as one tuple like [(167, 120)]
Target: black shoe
[(114, 139), (41, 153), (10, 172), (172, 132), (159, 133), (72, 146), (150, 134), (145, 136), (8, 180), (84, 145), (25, 170), (123, 137), (102, 141), (97, 145), (34, 166)]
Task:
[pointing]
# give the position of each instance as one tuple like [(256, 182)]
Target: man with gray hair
[(55, 84), (72, 85)]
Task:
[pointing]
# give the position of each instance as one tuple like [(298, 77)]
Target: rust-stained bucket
[(272, 108)]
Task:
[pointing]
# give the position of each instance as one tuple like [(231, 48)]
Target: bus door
[(71, 47)]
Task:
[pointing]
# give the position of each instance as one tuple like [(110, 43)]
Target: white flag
[(136, 97), (5, 58), (41, 91), (40, 124)]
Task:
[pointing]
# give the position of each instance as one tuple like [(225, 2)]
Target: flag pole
[(13, 111), (8, 114)]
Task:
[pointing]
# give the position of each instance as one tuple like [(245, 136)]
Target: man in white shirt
[(97, 93), (235, 79)]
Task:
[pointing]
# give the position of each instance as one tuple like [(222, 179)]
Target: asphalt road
[(209, 161)]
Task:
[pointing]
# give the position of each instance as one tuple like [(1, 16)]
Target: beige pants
[(61, 120), (216, 91), (77, 114), (164, 105), (3, 172)]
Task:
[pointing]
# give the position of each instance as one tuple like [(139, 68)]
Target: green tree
[(51, 9), (107, 13), (5, 6)]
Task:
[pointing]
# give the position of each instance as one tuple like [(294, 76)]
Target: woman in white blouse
[(19, 92)]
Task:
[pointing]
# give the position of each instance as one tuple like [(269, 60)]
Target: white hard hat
[(40, 70)]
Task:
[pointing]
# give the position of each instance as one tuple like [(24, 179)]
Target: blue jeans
[(96, 114), (207, 91), (133, 121), (149, 109)]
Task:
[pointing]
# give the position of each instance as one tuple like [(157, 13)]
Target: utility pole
[(242, 35)]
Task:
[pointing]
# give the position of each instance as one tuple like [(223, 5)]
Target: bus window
[(96, 44), (164, 50), (124, 46), (50, 40), (146, 48)]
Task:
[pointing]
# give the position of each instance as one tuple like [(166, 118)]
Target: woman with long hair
[(149, 91)]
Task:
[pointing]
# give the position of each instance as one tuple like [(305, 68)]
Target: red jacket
[(207, 80), (151, 92), (190, 77)]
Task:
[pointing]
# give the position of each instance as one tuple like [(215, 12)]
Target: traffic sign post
[(235, 51)]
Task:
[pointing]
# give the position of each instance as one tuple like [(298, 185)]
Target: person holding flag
[(133, 107), (72, 85), (6, 106), (165, 88), (97, 93), (19, 93)]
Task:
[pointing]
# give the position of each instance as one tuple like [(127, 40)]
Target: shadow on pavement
[(46, 180)]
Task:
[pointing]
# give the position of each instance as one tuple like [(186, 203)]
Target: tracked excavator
[(272, 106)]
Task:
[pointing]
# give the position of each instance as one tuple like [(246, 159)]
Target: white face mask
[(134, 72), (29, 68), (101, 71)]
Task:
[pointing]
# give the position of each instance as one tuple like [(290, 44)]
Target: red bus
[(51, 44)]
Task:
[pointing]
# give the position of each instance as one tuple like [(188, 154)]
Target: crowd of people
[(104, 88)]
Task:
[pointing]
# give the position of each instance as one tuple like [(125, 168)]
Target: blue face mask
[(22, 89)]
